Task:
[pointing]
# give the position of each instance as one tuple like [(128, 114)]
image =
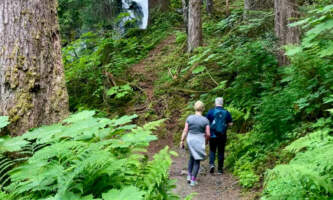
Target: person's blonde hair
[(199, 106)]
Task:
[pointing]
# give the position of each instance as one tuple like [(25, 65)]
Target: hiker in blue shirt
[(220, 119)]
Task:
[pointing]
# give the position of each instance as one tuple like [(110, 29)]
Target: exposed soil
[(210, 187)]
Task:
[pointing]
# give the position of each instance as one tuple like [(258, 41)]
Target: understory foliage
[(309, 174), (279, 112), (291, 97), (80, 16), (272, 106), (97, 63), (84, 157)]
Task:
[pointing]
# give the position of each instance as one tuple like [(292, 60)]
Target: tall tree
[(32, 84), (227, 9), (185, 13), (194, 38), (286, 11), (209, 7)]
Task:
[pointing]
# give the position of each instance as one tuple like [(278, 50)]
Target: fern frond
[(127, 193)]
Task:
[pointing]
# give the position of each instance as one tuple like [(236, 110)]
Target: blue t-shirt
[(210, 117)]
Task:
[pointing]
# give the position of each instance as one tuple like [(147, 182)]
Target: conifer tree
[(32, 84)]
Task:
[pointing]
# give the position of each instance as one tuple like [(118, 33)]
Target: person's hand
[(181, 145)]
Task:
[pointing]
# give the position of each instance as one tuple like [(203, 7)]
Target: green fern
[(309, 174), (86, 158), (3, 121), (127, 193)]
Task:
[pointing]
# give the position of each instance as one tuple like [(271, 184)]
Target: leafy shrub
[(92, 61), (120, 92), (87, 158), (309, 174)]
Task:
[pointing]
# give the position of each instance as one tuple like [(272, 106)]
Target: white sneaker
[(193, 183), (188, 179)]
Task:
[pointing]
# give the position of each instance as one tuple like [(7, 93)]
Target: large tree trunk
[(209, 7), (32, 84), (194, 38), (227, 9), (286, 11), (185, 14)]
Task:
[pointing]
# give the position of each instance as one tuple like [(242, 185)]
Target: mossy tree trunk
[(32, 84), (194, 38), (286, 12)]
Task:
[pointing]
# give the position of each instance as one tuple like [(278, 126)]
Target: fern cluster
[(85, 158), (309, 175)]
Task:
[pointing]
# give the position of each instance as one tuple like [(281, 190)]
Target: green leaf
[(80, 116), (127, 193), (210, 57), (325, 26), (328, 51), (330, 110), (199, 69), (293, 50), (12, 144), (4, 121), (301, 22)]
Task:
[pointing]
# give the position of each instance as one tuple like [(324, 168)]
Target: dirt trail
[(210, 187)]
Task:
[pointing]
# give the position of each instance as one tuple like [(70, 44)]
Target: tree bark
[(32, 84), (185, 14), (286, 11), (227, 9), (194, 38), (209, 7)]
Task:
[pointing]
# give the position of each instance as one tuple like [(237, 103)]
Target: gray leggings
[(193, 167)]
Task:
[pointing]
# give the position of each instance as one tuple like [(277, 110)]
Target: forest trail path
[(210, 187)]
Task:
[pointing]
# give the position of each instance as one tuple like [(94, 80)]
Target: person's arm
[(210, 116), (229, 120), (207, 133), (184, 135)]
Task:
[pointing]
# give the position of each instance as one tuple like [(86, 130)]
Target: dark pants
[(193, 167), (219, 144)]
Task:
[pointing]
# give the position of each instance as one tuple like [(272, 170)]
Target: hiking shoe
[(188, 179), (212, 168), (193, 183), (220, 172)]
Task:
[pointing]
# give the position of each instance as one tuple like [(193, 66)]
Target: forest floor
[(210, 187)]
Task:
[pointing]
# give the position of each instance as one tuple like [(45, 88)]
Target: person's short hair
[(199, 106), (219, 101)]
